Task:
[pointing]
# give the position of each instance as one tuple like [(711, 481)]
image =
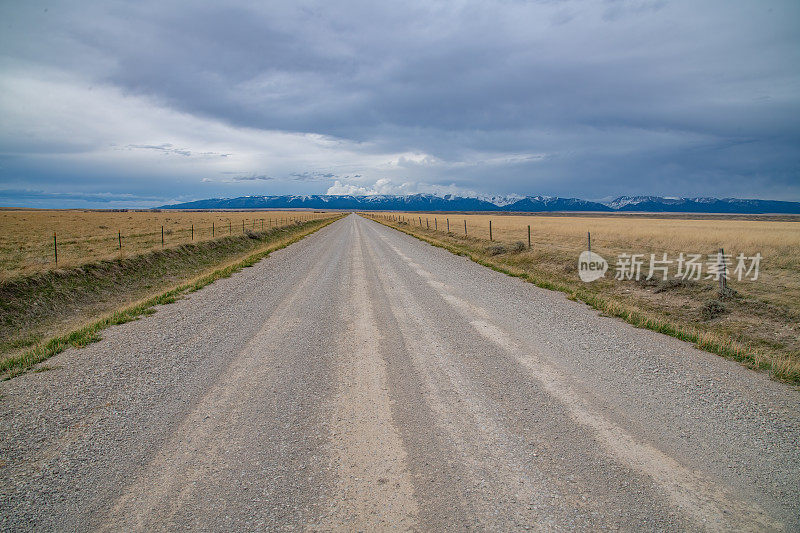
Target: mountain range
[(449, 202)]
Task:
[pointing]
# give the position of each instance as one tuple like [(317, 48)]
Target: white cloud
[(590, 99), (361, 187), (56, 117), (51, 115), (381, 186), (340, 188)]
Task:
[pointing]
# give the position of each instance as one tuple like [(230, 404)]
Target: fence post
[(230, 227), (162, 236), (427, 224), (192, 231), (490, 230), (435, 224), (119, 236), (242, 225), (465, 227), (55, 247), (724, 275), (589, 237), (529, 236), (212, 229), (420, 222)]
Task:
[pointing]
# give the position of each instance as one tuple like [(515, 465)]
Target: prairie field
[(563, 238), (27, 236), (759, 319), (44, 310)]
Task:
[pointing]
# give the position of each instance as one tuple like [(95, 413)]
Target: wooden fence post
[(427, 224), (724, 273), (212, 229), (192, 231), (448, 225), (465, 227), (55, 247), (435, 224), (119, 236), (490, 230), (589, 237), (162, 236), (529, 236)]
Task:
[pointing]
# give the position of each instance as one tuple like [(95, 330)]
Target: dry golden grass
[(778, 241), (43, 314), (759, 322), (26, 236), (639, 233)]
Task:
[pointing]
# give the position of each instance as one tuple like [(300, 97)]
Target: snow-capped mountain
[(661, 204), (450, 202)]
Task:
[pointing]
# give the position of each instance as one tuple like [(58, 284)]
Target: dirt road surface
[(363, 380)]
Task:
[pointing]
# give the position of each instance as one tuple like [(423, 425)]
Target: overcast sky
[(123, 104)]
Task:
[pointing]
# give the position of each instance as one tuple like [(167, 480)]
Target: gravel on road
[(361, 379)]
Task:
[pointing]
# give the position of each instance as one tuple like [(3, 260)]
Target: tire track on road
[(374, 488), (205, 445), (710, 505)]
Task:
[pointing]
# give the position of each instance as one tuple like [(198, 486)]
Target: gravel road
[(363, 380)]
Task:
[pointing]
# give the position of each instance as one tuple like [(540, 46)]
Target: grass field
[(757, 322), (26, 236), (43, 311)]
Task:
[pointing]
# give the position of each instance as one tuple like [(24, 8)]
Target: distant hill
[(701, 205), (411, 202), (449, 202)]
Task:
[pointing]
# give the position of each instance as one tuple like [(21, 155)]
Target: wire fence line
[(629, 264), (454, 222), (70, 246), (191, 233)]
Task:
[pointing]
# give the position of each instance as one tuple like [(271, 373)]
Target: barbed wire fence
[(167, 235)]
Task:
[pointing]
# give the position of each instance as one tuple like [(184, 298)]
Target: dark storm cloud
[(571, 98), (101, 197), (312, 176), (165, 148), (252, 178), (169, 149), (294, 176)]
